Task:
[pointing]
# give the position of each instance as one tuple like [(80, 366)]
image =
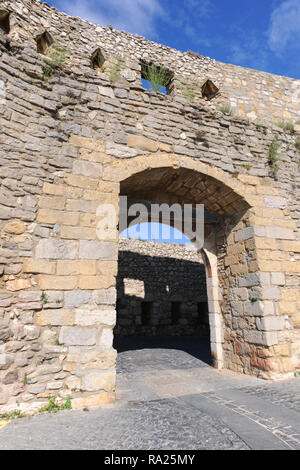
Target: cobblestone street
[(172, 400)]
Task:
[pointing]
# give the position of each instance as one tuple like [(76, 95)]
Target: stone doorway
[(225, 211), (153, 336), (162, 312)]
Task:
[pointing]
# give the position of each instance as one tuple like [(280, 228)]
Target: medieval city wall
[(74, 140), (254, 95)]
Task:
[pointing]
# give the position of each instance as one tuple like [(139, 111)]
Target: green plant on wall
[(287, 126), (116, 68), (55, 57), (273, 153), (297, 144), (159, 77), (226, 109), (53, 407), (190, 90)]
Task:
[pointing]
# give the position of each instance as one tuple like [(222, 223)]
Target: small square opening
[(43, 41), (209, 89), (97, 60), (4, 21), (156, 78)]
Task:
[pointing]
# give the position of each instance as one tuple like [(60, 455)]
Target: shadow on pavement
[(197, 347)]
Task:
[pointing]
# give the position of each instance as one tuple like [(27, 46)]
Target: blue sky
[(260, 34), (156, 232)]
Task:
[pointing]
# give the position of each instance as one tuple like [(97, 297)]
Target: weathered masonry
[(78, 130), (161, 290)]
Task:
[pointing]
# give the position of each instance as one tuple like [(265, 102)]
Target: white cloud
[(134, 16), (189, 17), (285, 25)]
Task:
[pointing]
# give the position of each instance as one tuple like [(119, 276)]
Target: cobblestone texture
[(163, 424), (168, 423), (286, 394)]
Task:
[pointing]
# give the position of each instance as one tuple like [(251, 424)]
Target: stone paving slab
[(285, 393), (282, 414), (254, 436)]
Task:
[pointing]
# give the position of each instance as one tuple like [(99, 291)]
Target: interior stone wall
[(161, 290), (74, 141)]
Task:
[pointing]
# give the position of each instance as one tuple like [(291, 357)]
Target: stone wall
[(75, 140), (254, 95), (161, 290)]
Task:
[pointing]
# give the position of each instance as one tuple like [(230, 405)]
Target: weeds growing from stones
[(159, 77), (226, 109), (55, 57), (273, 153)]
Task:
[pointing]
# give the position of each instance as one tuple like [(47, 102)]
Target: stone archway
[(74, 270), (184, 185)]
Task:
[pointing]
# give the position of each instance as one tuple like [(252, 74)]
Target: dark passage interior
[(161, 299)]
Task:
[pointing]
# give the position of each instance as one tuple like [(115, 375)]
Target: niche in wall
[(4, 21), (43, 41)]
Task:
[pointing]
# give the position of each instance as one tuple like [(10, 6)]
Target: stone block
[(18, 284), (254, 279), (52, 202), (96, 250), (292, 246), (81, 182), (5, 361), (99, 399), (105, 296), (86, 317), (280, 233), (98, 360), (278, 278), (38, 266), (95, 145), (36, 389), (47, 216), (56, 249), (260, 308), (249, 232), (73, 382), (73, 268), (86, 168), (31, 332), (271, 293), (261, 337), (142, 143), (14, 227), (77, 233), (270, 323), (57, 282), (96, 282), (106, 339), (77, 298), (76, 336), (275, 202), (99, 380), (59, 317)]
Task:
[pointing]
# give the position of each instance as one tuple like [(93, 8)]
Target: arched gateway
[(73, 140)]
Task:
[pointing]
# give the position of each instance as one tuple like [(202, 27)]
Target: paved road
[(170, 398)]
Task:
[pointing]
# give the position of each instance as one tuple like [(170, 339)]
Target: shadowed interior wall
[(161, 290)]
